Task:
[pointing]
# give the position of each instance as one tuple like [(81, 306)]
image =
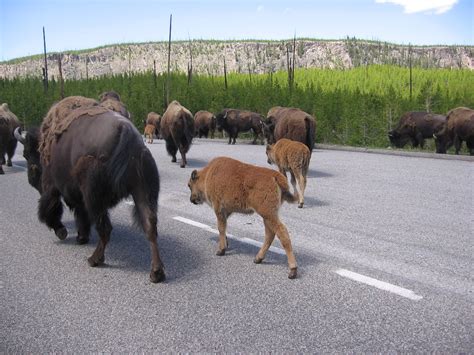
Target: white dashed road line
[(230, 236), (379, 284), (342, 272)]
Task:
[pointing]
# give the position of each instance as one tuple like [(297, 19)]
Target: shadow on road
[(318, 174)]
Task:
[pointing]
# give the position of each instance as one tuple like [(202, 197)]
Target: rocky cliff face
[(248, 56)]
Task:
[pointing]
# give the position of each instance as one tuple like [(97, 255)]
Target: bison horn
[(18, 135), (434, 136)]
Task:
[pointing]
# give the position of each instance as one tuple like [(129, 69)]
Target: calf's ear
[(194, 175)]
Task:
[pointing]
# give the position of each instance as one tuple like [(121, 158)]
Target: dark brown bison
[(8, 123), (234, 121), (415, 127), (230, 186), (294, 157), (459, 127), (204, 122), (112, 101), (177, 129), (154, 119), (291, 123), (92, 158)]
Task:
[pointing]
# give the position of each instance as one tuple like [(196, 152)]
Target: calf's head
[(195, 184), (270, 154), (31, 154)]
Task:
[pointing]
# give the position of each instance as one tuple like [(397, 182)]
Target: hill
[(252, 56)]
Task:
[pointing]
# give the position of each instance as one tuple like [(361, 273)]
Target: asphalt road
[(401, 227)]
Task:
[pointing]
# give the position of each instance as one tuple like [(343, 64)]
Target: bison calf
[(294, 157), (229, 186), (148, 133)]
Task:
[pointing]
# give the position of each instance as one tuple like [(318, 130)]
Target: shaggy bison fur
[(291, 123), (234, 121), (459, 127), (8, 123), (204, 123), (177, 129)]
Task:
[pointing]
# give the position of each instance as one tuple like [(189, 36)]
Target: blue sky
[(73, 24)]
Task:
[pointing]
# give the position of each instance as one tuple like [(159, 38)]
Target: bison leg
[(230, 138), (284, 237), (1, 170), (297, 192), (222, 227), (50, 211), (171, 149), (183, 156), (302, 184), (11, 151), (83, 224), (457, 144), (470, 146), (104, 228), (269, 237), (147, 218)]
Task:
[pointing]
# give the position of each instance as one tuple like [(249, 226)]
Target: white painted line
[(230, 236), (379, 284)]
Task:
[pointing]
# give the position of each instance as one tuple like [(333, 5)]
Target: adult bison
[(234, 121), (8, 123), (112, 101), (92, 158), (415, 127), (153, 119), (177, 129), (204, 122), (291, 123), (459, 127)]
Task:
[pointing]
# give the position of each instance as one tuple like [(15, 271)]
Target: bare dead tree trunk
[(45, 69), (87, 68), (411, 77), (190, 64), (61, 80), (294, 62), (168, 79), (225, 74), (154, 73)]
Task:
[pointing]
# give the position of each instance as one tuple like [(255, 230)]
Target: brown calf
[(294, 157), (229, 186), (148, 133)]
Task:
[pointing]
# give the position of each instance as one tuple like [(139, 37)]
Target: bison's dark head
[(268, 131), (30, 151), (442, 140), (398, 139), (221, 120)]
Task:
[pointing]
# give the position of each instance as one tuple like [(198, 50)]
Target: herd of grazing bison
[(89, 154)]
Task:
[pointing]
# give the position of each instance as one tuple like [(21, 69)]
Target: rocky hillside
[(242, 57)]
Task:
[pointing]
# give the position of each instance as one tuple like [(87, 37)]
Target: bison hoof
[(93, 261), (182, 166), (9, 163), (173, 160), (300, 205), (293, 272), (220, 252), (61, 233), (157, 276), (257, 260), (82, 240), (1, 171)]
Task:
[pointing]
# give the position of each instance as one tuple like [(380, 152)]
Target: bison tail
[(118, 163), (310, 132), (286, 195)]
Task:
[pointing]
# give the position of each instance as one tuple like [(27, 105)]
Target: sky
[(74, 24)]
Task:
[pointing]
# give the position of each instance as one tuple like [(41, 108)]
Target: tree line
[(352, 107)]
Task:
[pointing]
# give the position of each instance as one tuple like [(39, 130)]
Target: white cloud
[(413, 6), (260, 8)]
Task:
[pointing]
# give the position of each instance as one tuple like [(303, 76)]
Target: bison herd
[(88, 154), (454, 128)]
